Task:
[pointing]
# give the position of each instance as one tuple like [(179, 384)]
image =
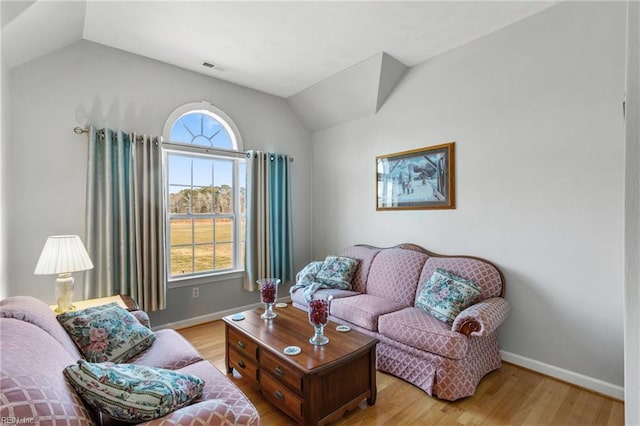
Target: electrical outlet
[(196, 292)]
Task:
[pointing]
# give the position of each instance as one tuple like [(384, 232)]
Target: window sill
[(204, 279)]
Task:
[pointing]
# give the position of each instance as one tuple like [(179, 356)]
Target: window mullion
[(237, 244)]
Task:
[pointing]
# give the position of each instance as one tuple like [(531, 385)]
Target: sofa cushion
[(482, 273), (31, 379), (445, 295), (363, 310), (365, 256), (170, 350), (209, 412), (218, 386), (413, 327), (106, 333), (38, 313), (337, 271), (394, 275), (131, 392)]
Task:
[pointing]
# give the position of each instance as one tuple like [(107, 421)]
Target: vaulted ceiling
[(280, 48)]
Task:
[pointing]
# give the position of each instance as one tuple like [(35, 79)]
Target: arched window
[(205, 192)]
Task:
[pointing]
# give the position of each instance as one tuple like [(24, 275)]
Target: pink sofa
[(444, 360), (35, 349)]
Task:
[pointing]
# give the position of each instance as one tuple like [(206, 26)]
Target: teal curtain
[(124, 223), (269, 240)]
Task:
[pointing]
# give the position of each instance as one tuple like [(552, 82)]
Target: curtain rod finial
[(80, 130)]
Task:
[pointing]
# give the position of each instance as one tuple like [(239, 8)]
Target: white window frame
[(174, 147)]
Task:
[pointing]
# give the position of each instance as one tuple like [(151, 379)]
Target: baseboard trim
[(587, 382), (190, 322), (593, 384)]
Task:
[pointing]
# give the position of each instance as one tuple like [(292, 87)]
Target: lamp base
[(64, 293)]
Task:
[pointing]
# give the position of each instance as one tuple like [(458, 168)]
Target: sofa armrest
[(209, 412), (483, 318), (142, 317)]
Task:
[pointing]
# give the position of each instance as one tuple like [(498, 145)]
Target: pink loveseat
[(35, 349), (444, 360)]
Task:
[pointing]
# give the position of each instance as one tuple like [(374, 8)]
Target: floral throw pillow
[(130, 392), (337, 271), (445, 295), (106, 333)]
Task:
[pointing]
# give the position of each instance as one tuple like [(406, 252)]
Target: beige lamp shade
[(62, 254)]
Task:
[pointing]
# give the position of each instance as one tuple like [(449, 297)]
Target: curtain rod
[(81, 130)]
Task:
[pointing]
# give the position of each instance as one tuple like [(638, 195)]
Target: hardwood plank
[(509, 396)]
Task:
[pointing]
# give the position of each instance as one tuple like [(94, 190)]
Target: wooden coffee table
[(314, 387)]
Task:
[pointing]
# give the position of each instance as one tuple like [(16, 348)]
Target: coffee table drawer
[(243, 365), (243, 345), (280, 396), (276, 368)]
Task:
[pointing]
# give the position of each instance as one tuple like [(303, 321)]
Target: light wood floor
[(508, 396)]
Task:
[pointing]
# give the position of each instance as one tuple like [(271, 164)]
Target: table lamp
[(62, 255)]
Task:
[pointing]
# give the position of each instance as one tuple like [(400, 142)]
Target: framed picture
[(418, 179)]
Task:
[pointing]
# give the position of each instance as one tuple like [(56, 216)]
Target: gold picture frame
[(421, 178)]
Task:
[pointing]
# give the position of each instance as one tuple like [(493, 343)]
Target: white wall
[(535, 110), (632, 218), (88, 83), (4, 140)]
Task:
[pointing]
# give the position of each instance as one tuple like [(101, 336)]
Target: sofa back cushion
[(394, 275), (34, 311), (365, 256), (32, 383), (482, 274)]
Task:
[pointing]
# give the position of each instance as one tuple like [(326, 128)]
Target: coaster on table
[(343, 328), (292, 350), (237, 317), (281, 305)]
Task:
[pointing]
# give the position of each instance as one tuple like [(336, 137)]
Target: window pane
[(223, 172), (242, 182), (186, 128), (203, 171), (179, 167), (202, 200), (222, 140), (201, 129), (180, 232), (181, 260), (216, 133), (204, 258), (224, 256), (203, 231), (179, 133), (223, 199), (224, 230), (179, 199)]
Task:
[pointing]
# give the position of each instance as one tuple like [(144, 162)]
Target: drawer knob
[(279, 371), (241, 344), (241, 364), (279, 395)]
